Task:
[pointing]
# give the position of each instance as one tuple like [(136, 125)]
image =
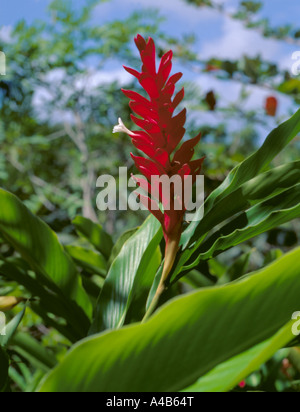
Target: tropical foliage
[(75, 284)]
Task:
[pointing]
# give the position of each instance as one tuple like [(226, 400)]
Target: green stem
[(170, 256), (154, 303)]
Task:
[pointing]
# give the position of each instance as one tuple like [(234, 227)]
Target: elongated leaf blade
[(40, 248), (88, 259), (251, 167), (120, 243), (259, 188), (95, 234), (187, 338), (33, 351), (11, 328), (77, 323), (249, 193), (138, 260), (229, 374), (259, 219)]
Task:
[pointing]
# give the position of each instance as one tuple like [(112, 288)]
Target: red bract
[(162, 132)]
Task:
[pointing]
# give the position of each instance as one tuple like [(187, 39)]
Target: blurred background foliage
[(56, 123)]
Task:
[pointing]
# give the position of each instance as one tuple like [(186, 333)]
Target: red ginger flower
[(162, 131)]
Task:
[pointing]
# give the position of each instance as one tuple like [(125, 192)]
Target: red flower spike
[(162, 133)]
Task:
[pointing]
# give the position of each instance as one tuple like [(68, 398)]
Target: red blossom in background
[(271, 106), (162, 132)]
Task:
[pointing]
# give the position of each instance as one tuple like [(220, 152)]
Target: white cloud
[(96, 78), (184, 10), (228, 90), (236, 40), (178, 9)]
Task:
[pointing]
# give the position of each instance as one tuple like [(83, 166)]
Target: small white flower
[(121, 128)]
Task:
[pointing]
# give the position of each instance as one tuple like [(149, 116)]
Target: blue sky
[(217, 35), (13, 10)]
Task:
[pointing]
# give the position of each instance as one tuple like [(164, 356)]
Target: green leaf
[(238, 269), (251, 167), (248, 194), (12, 327), (40, 248), (32, 350), (120, 243), (259, 219), (49, 302), (187, 338), (131, 270), (229, 374), (87, 259), (197, 280), (95, 234), (290, 86)]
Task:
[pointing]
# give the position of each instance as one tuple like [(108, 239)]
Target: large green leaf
[(49, 301), (229, 374), (120, 243), (247, 195), (95, 234), (134, 266), (187, 338), (259, 219), (88, 259), (39, 246), (251, 167)]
